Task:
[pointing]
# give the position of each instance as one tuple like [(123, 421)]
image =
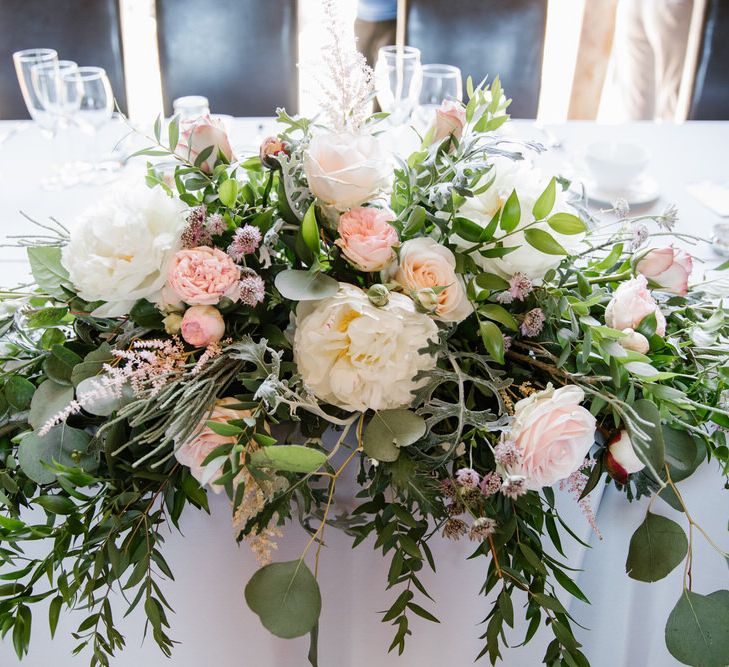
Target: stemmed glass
[(24, 62), (440, 82), (47, 79), (398, 79)]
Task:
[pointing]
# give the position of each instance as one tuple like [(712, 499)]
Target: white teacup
[(615, 166)]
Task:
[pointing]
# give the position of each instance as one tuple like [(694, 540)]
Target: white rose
[(424, 264), (529, 183), (357, 356), (345, 170), (120, 248)]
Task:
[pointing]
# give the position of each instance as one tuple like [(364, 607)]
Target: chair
[(240, 54), (87, 31), (485, 37), (710, 100)]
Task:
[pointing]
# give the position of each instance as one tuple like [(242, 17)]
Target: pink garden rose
[(202, 325), (198, 134), (366, 238), (620, 458), (552, 433), (202, 276), (193, 452), (669, 268), (450, 119), (631, 303)]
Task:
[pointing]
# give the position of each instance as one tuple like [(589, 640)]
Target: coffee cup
[(615, 166)]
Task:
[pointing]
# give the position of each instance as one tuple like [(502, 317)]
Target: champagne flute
[(24, 61), (440, 82), (398, 78)]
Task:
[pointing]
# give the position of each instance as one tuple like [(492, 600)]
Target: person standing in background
[(375, 26)]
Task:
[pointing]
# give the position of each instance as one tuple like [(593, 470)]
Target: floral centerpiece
[(453, 324)]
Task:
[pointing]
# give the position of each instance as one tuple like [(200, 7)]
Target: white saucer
[(644, 191)]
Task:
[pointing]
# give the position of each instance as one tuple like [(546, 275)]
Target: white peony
[(120, 248), (529, 183), (357, 356), (345, 170)]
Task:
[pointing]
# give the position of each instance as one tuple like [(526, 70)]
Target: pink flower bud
[(669, 268), (620, 458), (270, 148), (635, 341), (197, 135), (202, 326), (450, 118)]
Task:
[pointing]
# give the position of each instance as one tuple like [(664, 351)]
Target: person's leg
[(667, 24)]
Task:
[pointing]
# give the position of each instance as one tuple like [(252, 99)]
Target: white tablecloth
[(212, 620)]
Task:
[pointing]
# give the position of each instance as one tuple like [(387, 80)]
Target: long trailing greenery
[(97, 489)]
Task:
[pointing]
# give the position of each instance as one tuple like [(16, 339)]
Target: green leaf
[(545, 202), (173, 132), (19, 392), (510, 213), (48, 272), (467, 230), (286, 598), (290, 458), (544, 242), (54, 611), (656, 548), (415, 221), (62, 444), (92, 364), (304, 285), (49, 399), (146, 314), (388, 430), (567, 224), (228, 192), (56, 504), (310, 230), (493, 340), (60, 364), (224, 429), (498, 313), (696, 631), (651, 448), (46, 317), (491, 281), (52, 337)]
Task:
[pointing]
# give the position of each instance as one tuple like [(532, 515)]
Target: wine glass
[(24, 61), (440, 82), (398, 78), (89, 94), (51, 92)]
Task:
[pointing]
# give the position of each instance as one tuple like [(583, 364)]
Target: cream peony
[(345, 170), (120, 249), (553, 433), (631, 303), (510, 175), (357, 356), (425, 264)]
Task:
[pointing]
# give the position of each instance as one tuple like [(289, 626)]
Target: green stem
[(599, 280)]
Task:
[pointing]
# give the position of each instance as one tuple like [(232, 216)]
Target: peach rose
[(424, 264), (620, 458), (366, 238), (202, 326), (552, 433), (200, 133), (631, 303), (202, 276), (669, 268), (193, 452), (450, 119)]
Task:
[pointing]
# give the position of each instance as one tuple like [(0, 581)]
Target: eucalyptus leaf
[(290, 458), (62, 444), (92, 364), (657, 547), (48, 400), (19, 392), (650, 449), (305, 286), (286, 598), (389, 430)]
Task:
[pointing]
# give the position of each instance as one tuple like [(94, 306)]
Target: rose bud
[(378, 295), (202, 326), (450, 118), (270, 148), (620, 458), (173, 323), (426, 300), (635, 341), (669, 268), (200, 133)]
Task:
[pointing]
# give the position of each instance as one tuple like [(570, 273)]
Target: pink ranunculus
[(202, 325), (552, 433), (200, 133), (631, 303), (620, 458), (668, 267), (194, 451), (450, 118), (367, 239), (203, 276)]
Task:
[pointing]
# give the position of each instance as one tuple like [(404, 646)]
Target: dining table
[(624, 622)]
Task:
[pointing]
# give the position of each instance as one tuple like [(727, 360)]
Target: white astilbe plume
[(346, 87)]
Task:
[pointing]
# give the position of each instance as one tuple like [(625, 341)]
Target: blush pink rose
[(366, 238), (450, 118), (202, 325), (631, 303), (197, 135), (193, 452), (202, 277), (552, 433), (669, 268), (620, 458)]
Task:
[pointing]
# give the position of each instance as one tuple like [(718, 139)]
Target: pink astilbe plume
[(346, 88), (575, 484)]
